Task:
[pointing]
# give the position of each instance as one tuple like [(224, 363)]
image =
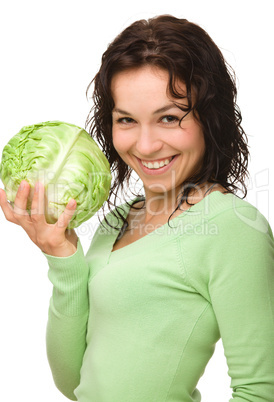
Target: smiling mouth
[(157, 164)]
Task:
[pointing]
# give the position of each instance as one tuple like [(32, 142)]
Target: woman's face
[(146, 131)]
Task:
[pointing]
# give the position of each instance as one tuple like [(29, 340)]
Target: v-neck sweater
[(140, 324)]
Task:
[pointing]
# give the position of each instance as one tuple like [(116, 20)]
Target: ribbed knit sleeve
[(67, 320), (234, 270)]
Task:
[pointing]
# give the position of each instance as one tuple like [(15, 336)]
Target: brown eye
[(169, 119), (125, 120)]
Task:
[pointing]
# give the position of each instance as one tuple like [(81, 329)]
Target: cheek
[(199, 145), (121, 141), (194, 139), (201, 142), (200, 149), (191, 145), (115, 140)]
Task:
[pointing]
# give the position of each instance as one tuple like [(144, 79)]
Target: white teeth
[(156, 165)]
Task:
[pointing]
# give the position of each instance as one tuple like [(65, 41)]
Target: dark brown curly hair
[(189, 55)]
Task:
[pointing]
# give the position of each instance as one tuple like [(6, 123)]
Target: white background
[(50, 51)]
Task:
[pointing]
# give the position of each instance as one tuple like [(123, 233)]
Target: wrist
[(63, 251)]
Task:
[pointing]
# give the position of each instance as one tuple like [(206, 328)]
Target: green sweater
[(140, 324)]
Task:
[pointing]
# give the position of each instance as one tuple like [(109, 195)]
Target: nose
[(148, 141)]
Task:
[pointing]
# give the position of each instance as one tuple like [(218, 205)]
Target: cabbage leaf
[(66, 160)]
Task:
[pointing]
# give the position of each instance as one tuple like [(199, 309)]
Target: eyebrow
[(161, 110)]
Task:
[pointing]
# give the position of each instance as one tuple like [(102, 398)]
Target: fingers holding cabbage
[(52, 239), (66, 160), (65, 178)]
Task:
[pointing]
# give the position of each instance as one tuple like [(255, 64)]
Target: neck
[(163, 204)]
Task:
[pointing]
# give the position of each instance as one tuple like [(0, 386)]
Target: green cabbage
[(66, 160)]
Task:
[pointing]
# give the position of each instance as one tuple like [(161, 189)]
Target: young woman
[(177, 267)]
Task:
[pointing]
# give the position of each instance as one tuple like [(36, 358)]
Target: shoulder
[(236, 215), (235, 241), (223, 227), (242, 232), (223, 214)]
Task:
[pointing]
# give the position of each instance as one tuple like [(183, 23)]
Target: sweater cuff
[(69, 276)]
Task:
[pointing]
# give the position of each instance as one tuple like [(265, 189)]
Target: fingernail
[(22, 186), (71, 203), (36, 188)]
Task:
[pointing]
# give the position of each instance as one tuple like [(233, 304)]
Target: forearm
[(67, 321), (66, 343)]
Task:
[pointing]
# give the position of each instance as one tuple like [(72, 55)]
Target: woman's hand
[(52, 239)]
